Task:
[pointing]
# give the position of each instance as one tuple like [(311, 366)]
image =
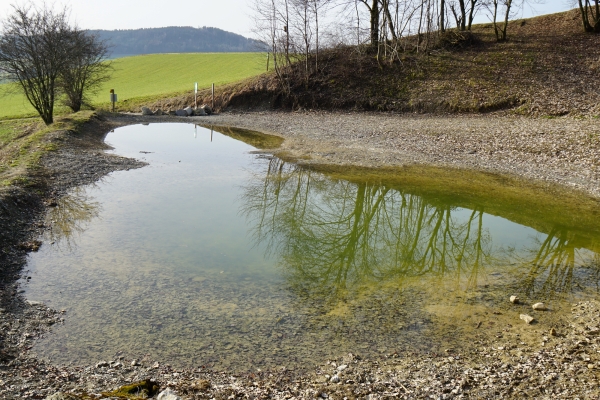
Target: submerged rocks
[(142, 389), (527, 318)]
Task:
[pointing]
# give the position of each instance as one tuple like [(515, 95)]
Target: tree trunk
[(442, 16), (505, 27), (375, 23), (463, 15), (389, 19)]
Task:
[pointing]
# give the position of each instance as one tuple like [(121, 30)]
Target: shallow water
[(217, 256)]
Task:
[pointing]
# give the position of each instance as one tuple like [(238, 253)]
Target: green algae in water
[(214, 256)]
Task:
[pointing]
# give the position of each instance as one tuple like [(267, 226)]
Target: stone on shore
[(200, 112), (62, 396), (206, 109), (539, 307), (514, 299), (181, 113), (147, 111), (189, 111), (168, 395)]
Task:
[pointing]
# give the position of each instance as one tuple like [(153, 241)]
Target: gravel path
[(565, 151)]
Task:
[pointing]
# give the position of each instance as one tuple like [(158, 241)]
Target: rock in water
[(181, 113), (514, 299), (147, 111), (189, 111), (168, 395), (527, 318)]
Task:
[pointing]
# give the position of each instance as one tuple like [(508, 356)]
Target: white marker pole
[(196, 95)]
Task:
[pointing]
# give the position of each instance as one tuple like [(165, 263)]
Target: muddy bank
[(501, 362)]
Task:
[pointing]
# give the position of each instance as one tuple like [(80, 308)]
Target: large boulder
[(181, 113), (147, 111), (189, 111)]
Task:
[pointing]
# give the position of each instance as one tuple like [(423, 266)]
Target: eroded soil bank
[(501, 362)]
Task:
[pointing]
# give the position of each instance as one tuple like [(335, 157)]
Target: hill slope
[(152, 76), (176, 39), (547, 67)]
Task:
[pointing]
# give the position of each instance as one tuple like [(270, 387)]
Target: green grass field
[(154, 75)]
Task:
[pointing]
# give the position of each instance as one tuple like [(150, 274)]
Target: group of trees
[(295, 29), (49, 59)]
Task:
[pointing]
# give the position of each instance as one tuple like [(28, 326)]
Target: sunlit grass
[(153, 75)]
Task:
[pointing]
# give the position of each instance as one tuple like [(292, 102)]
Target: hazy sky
[(230, 15)]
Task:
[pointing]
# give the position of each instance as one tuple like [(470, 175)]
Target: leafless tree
[(87, 68), (590, 15), (34, 49)]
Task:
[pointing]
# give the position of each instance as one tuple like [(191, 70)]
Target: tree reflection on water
[(70, 217), (332, 235)]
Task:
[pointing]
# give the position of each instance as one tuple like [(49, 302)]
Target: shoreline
[(507, 367), (561, 151)]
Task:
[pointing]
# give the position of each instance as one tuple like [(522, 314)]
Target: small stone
[(156, 365), (147, 111), (334, 379), (102, 364), (61, 396), (34, 303), (342, 367), (135, 363), (514, 299), (539, 307), (527, 318), (168, 395), (202, 384), (553, 332)]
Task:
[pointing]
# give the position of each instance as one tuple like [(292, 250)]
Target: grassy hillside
[(141, 78)]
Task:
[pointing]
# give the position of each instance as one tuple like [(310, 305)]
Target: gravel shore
[(562, 151), (560, 363)]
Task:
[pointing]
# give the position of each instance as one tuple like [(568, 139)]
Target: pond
[(216, 255)]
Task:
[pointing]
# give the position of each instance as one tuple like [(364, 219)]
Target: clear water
[(215, 255)]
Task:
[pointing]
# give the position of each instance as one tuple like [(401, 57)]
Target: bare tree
[(87, 68), (590, 15), (34, 49)]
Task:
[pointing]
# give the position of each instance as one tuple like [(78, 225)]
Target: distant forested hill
[(176, 40)]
